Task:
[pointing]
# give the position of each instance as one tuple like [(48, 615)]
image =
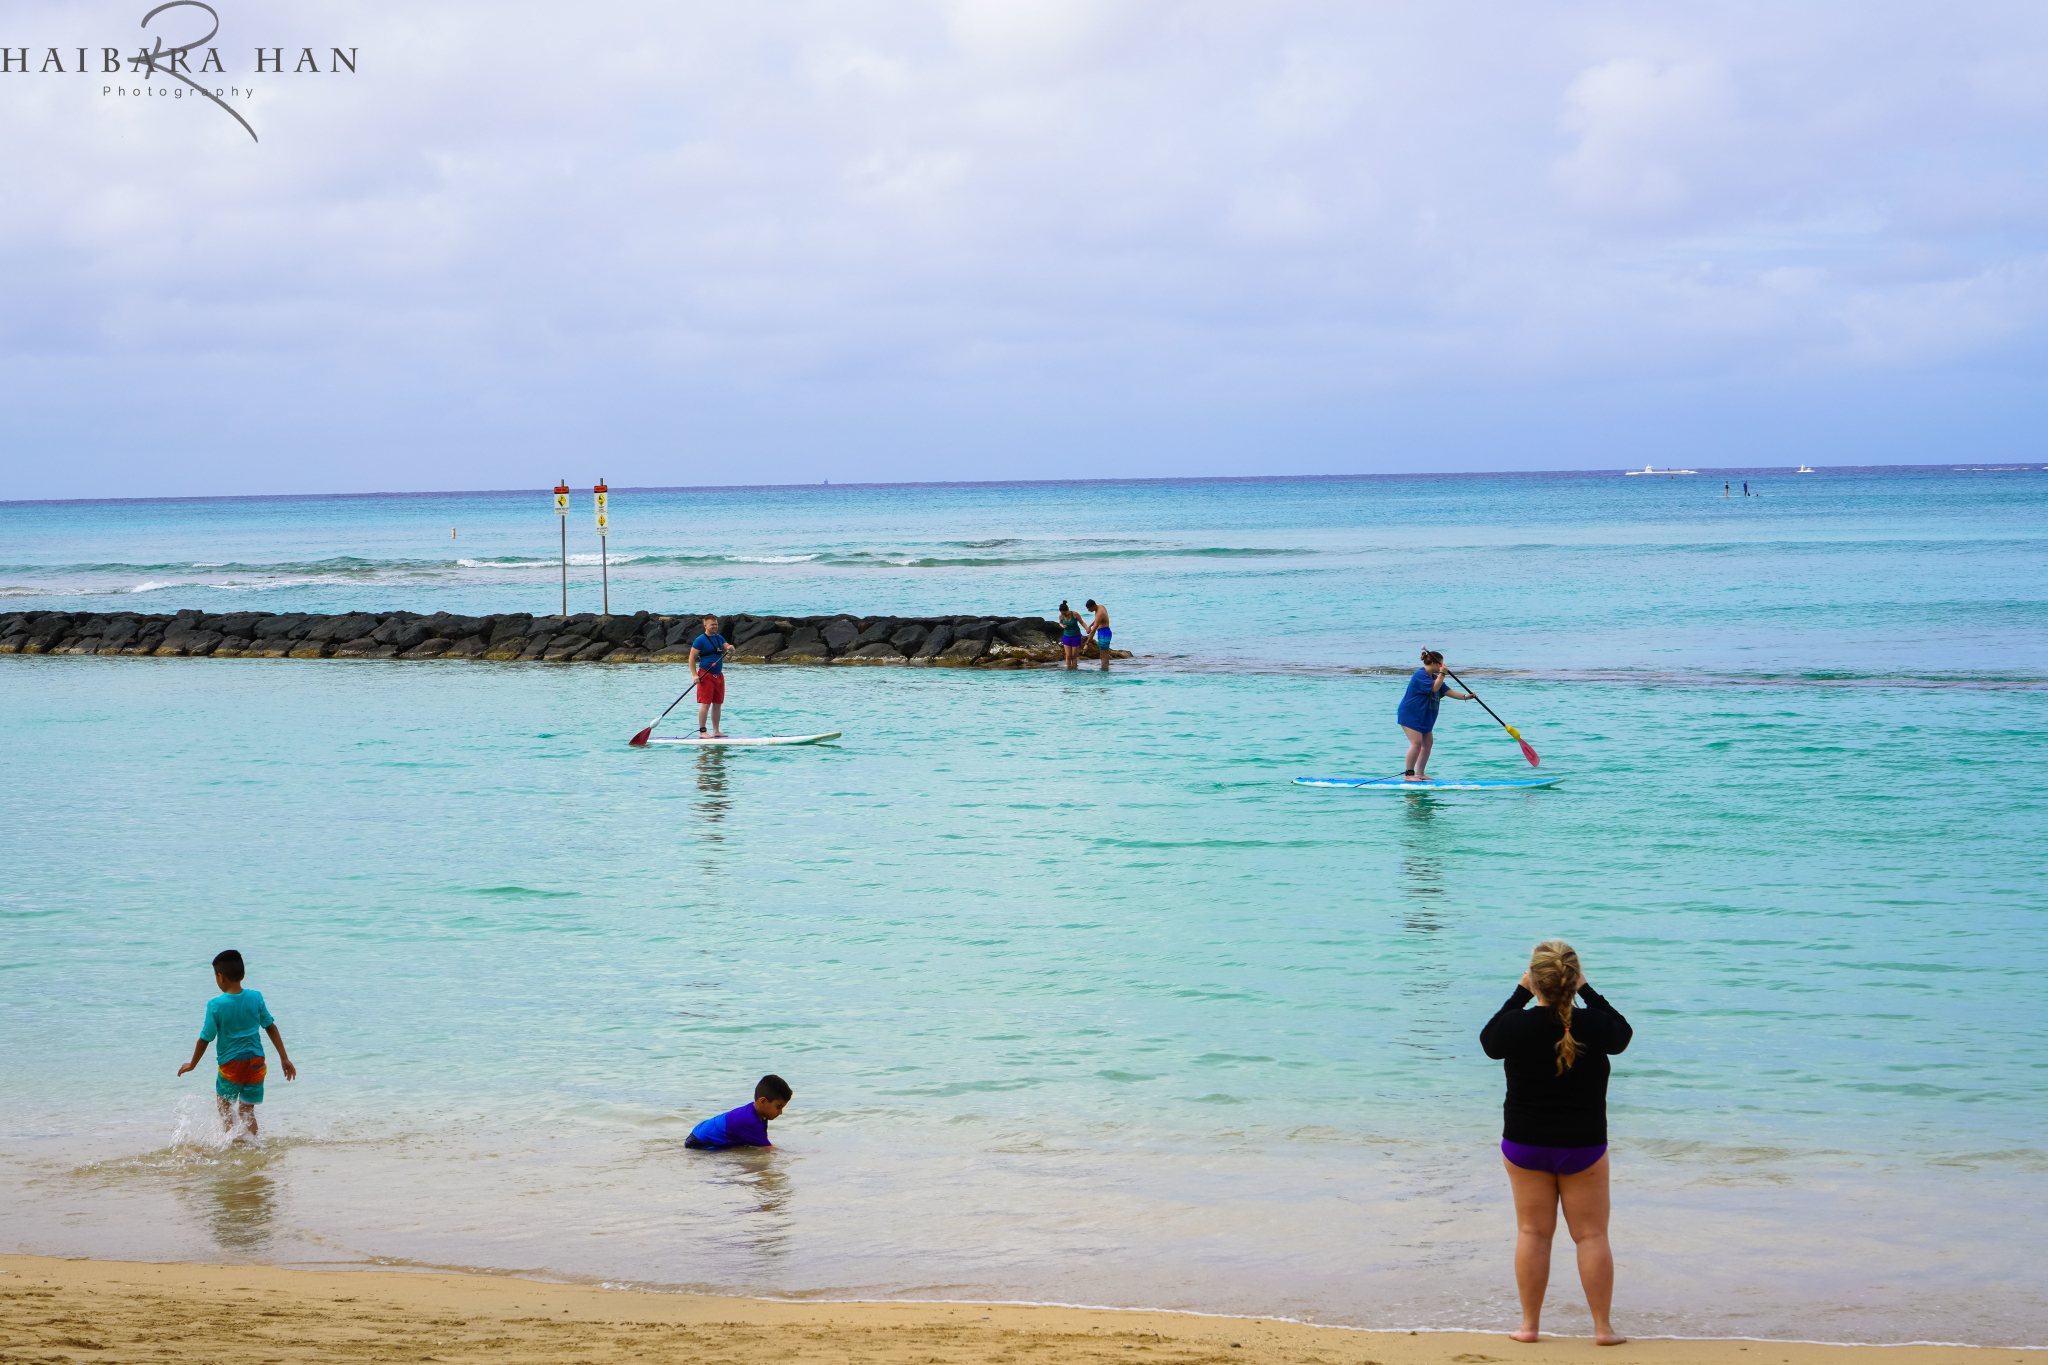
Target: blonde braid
[(1554, 967)]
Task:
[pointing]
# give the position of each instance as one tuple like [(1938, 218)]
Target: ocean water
[(1082, 998)]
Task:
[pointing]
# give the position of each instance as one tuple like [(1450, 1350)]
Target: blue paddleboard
[(1396, 784)]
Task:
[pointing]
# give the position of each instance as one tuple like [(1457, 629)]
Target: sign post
[(562, 515), (604, 524)]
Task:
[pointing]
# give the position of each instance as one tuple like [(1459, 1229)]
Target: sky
[(680, 243)]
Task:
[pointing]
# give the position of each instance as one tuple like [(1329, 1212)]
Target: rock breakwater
[(930, 641)]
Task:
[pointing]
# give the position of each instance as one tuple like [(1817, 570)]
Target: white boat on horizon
[(1647, 470), (1803, 469)]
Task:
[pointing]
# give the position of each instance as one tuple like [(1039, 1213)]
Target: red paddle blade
[(640, 740), (1529, 753)]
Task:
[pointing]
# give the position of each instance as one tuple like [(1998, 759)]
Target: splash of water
[(198, 1129)]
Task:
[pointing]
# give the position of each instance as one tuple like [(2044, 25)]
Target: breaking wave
[(144, 578)]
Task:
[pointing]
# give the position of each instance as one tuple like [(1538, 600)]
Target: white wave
[(579, 561), (268, 583), (233, 585), (770, 559)]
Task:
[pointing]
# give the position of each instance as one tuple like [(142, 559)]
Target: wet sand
[(64, 1311)]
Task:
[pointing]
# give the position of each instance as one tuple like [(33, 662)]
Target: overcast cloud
[(890, 239)]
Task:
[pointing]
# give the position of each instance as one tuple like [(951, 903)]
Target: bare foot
[(1608, 1338), (1523, 1334)]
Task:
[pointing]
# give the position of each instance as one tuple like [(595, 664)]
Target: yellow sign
[(561, 504), (604, 519)]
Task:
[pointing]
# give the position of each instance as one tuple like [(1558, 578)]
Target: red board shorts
[(711, 689)]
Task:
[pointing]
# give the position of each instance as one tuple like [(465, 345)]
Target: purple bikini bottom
[(1556, 1160)]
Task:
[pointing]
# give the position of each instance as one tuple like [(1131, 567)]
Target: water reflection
[(239, 1205), (1422, 869), (714, 798), (1425, 827), (757, 1186)]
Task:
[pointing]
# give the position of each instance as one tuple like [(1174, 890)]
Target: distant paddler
[(1418, 712)]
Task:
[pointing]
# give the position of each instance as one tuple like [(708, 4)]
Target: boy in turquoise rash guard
[(746, 1126), (234, 1021)]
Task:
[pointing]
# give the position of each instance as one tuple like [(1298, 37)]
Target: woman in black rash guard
[(1554, 1142)]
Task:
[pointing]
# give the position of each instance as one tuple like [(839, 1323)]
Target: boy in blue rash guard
[(746, 1126), (236, 1018)]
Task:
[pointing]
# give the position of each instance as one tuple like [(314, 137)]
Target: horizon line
[(1704, 471)]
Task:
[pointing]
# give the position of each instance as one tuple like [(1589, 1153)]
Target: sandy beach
[(85, 1310)]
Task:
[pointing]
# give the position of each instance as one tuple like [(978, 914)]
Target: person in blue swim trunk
[(1418, 712), (1554, 1128), (1099, 628)]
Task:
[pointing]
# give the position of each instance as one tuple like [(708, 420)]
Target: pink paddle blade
[(640, 740), (1529, 753)]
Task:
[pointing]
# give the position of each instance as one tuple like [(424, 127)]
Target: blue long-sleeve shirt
[(741, 1127)]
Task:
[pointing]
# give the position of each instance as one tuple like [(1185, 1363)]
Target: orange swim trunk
[(245, 1071)]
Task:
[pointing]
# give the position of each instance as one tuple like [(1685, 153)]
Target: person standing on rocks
[(707, 666), (1071, 637), (1100, 629)]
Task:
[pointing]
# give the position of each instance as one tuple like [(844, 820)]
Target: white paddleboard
[(747, 741), (1399, 784)]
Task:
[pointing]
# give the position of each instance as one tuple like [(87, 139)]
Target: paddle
[(640, 740), (1527, 752)]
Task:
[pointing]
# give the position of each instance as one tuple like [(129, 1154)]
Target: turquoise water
[(1082, 998)]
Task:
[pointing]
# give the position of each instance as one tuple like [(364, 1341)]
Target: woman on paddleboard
[(1554, 1134), (1418, 712)]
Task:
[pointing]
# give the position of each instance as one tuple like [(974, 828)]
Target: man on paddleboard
[(707, 666), (1418, 712)]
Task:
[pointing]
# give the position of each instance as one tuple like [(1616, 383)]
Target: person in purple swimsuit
[(1071, 638), (746, 1126), (1554, 1139)]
